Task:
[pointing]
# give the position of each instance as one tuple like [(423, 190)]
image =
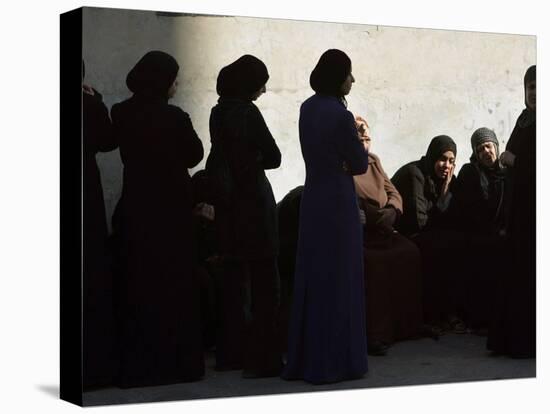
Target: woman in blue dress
[(327, 335)]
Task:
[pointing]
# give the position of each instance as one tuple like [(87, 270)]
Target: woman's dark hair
[(153, 74), (331, 71), (242, 78)]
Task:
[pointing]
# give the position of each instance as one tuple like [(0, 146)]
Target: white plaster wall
[(411, 84)]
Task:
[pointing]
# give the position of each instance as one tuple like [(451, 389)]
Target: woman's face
[(173, 88), (444, 164), (346, 86), (531, 94), (363, 131), (487, 154), (258, 93)]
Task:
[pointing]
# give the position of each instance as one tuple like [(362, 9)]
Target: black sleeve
[(270, 155), (97, 127), (410, 184), (466, 190), (442, 213), (444, 202), (188, 142)]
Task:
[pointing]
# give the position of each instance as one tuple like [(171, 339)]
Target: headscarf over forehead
[(331, 71), (528, 117), (439, 145), (242, 78), (530, 75), (481, 136), (153, 75)]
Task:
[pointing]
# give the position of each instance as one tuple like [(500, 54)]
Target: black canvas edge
[(71, 207)]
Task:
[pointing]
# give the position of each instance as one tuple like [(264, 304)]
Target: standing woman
[(327, 335), (99, 359), (514, 329), (242, 149), (158, 305)]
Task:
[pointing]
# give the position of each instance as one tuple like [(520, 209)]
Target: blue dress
[(327, 333)]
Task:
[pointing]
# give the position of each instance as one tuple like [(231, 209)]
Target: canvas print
[(276, 206)]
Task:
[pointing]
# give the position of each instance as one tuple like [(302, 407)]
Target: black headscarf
[(329, 74), (153, 75), (530, 75), (528, 116), (438, 146), (242, 78)]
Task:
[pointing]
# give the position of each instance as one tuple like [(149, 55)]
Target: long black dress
[(513, 331), (479, 200), (158, 295), (248, 238)]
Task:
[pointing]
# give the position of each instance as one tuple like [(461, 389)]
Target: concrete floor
[(454, 358)]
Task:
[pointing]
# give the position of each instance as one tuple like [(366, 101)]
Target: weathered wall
[(411, 84)]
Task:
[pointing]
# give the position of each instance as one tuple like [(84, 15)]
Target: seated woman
[(479, 199), (426, 186), (392, 262)]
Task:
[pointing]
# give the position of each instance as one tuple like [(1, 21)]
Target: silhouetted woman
[(327, 335), (99, 359), (514, 330), (242, 149), (158, 296)]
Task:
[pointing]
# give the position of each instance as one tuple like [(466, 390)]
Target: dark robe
[(327, 335), (288, 215), (98, 324), (422, 208), (393, 284), (158, 295), (207, 264), (480, 205), (242, 149), (427, 220), (513, 331)]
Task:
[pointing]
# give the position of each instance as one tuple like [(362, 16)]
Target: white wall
[(411, 84)]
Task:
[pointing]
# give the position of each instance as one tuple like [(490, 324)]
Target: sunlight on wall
[(411, 84)]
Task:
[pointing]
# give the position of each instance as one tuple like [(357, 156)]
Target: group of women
[(375, 258)]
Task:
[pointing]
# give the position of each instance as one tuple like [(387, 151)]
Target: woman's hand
[(507, 159), (88, 89), (447, 182), (387, 218), (204, 210), (362, 217)]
